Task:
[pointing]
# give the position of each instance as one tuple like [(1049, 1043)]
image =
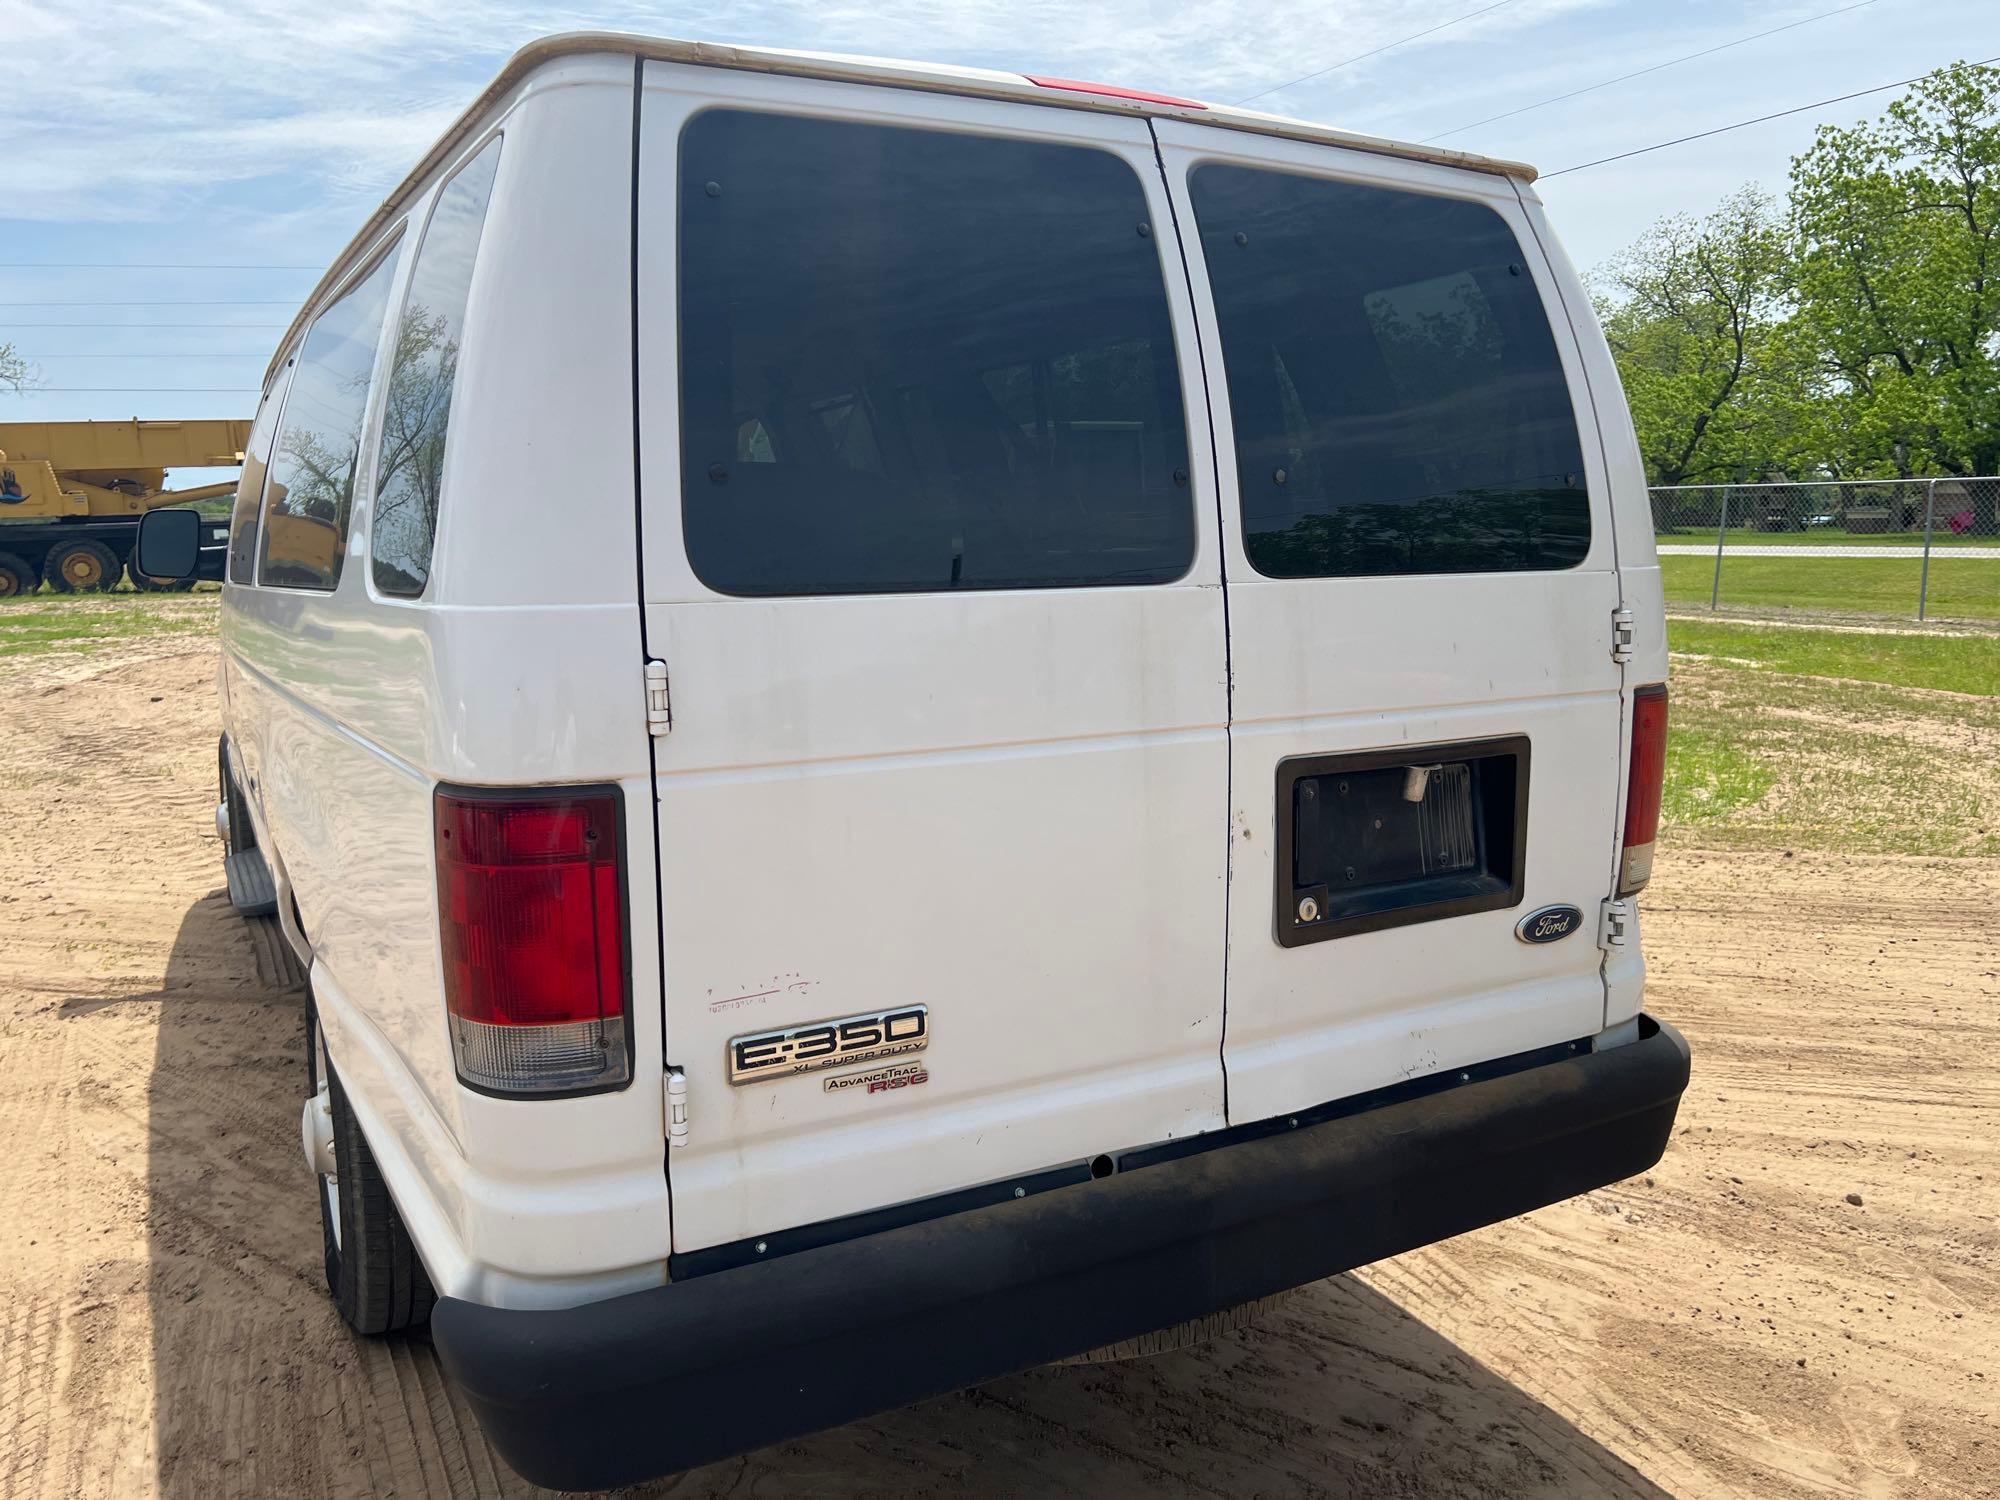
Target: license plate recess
[(1385, 838)]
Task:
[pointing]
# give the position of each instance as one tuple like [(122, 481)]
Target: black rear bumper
[(680, 1375)]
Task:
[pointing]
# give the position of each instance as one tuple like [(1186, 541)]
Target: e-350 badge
[(828, 1044)]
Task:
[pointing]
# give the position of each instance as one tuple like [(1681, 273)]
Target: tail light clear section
[(531, 907), (1644, 783)]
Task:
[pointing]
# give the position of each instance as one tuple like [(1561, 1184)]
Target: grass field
[(1845, 741), (92, 622), (1820, 536), (1957, 664), (1961, 587)]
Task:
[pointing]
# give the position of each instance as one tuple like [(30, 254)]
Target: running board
[(252, 891)]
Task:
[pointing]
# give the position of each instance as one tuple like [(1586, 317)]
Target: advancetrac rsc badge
[(880, 1081)]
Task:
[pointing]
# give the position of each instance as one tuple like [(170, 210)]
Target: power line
[(1376, 52), (1701, 135), (145, 390), (137, 265), (1642, 72), (225, 302)]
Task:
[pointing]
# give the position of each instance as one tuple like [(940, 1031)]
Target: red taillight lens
[(531, 910), (1643, 786)]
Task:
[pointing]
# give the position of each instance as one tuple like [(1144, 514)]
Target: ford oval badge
[(1548, 925)]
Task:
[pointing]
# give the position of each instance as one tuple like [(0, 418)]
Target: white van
[(918, 720)]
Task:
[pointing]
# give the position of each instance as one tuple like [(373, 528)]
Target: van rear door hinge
[(1616, 922), (677, 1107), (659, 703), (1622, 626)]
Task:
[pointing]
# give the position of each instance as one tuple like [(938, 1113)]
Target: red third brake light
[(1110, 91), (1643, 786), (531, 911)]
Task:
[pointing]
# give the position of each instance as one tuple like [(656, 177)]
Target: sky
[(262, 133)]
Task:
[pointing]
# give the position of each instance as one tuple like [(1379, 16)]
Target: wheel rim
[(10, 586), (83, 570)]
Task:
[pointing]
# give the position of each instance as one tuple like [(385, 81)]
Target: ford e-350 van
[(917, 721)]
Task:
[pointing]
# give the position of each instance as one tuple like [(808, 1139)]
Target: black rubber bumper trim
[(685, 1265), (661, 1380)]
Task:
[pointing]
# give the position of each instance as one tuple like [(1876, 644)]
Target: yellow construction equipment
[(71, 494)]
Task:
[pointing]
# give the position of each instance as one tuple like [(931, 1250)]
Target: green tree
[(1895, 223), (1697, 315), (14, 372)]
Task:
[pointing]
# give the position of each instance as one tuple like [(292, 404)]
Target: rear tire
[(242, 834), (372, 1270), (82, 568), (18, 576), (146, 583)]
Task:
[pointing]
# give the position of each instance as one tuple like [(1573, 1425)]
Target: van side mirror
[(169, 545)]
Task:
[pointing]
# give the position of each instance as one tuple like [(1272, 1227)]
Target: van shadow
[(229, 1255), (259, 1389), (1335, 1391)]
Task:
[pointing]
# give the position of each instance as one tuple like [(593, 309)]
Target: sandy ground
[(1733, 1323)]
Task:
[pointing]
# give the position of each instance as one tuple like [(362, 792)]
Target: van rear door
[(943, 807), (1422, 582)]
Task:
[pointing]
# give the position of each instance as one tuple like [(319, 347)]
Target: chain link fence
[(1927, 549)]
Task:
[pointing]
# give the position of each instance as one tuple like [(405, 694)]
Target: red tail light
[(531, 906), (1643, 786)]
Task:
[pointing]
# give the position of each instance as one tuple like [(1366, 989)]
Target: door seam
[(1623, 738), (1228, 639), (645, 645)]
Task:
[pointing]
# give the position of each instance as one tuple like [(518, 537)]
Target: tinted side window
[(250, 483), (418, 403), (311, 484), (918, 360), (1398, 402)]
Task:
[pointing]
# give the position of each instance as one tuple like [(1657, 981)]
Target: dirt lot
[(1737, 1322)]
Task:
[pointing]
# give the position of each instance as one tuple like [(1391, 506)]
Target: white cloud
[(141, 109), (289, 120), (264, 131)]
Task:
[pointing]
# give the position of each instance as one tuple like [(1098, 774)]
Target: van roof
[(985, 83)]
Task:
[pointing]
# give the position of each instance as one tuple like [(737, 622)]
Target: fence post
[(1924, 581), (1721, 531)]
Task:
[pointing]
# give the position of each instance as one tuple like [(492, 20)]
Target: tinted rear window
[(250, 483), (1396, 395), (311, 485), (417, 407), (919, 360)]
